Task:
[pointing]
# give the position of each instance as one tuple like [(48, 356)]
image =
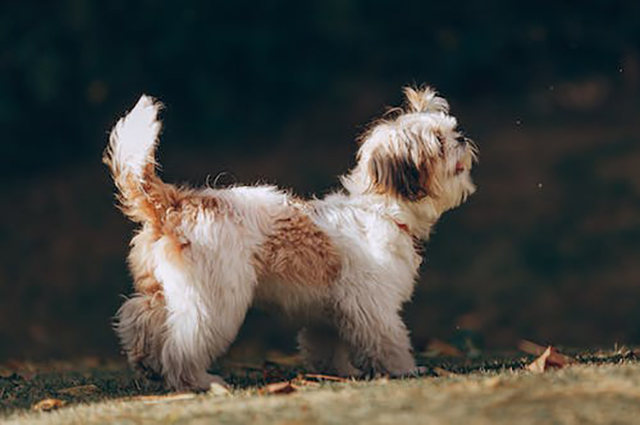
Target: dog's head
[(416, 155)]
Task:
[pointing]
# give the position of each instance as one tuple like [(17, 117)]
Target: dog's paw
[(200, 383), (208, 380), (416, 372)]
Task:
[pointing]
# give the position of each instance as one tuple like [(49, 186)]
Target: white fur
[(142, 126), (207, 301), (353, 323)]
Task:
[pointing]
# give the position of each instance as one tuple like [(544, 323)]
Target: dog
[(342, 267)]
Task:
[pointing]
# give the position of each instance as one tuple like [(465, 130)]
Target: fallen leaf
[(92, 362), (537, 350), (6, 373), (18, 364), (27, 375), (80, 390), (441, 347), (217, 389), (24, 369), (443, 372), (281, 388), (550, 358), (48, 404), (531, 347)]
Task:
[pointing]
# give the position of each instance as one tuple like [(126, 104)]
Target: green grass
[(600, 389)]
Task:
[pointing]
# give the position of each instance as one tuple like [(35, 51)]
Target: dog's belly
[(301, 301)]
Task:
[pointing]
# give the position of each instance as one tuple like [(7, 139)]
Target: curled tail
[(131, 157)]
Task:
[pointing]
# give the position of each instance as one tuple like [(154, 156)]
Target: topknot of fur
[(424, 99)]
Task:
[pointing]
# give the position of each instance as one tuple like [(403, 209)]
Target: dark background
[(277, 91)]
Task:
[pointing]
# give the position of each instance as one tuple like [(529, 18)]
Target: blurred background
[(548, 248)]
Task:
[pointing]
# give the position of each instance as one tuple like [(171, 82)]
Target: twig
[(325, 377)]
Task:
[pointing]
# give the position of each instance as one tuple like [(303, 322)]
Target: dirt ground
[(600, 388)]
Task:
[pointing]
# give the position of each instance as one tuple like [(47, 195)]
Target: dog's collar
[(403, 227)]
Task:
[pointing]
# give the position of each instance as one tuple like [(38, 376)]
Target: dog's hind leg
[(141, 321), (140, 324), (205, 309)]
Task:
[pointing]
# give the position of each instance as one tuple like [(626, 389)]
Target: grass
[(599, 389)]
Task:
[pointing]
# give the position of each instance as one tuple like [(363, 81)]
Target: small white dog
[(341, 267)]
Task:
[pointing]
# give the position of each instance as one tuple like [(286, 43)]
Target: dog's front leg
[(379, 338), (324, 351)]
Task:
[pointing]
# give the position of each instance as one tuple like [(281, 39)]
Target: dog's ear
[(397, 175)]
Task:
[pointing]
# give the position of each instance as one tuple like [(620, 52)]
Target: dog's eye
[(441, 142)]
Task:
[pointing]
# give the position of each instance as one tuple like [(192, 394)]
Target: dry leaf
[(217, 389), (444, 348), (25, 370), (19, 365), (48, 404), (443, 372), (80, 390), (281, 388), (92, 362), (6, 373), (531, 347), (27, 375), (550, 358)]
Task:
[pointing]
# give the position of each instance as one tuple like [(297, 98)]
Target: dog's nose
[(462, 140)]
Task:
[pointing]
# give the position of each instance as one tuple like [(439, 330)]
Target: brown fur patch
[(184, 207), (398, 176), (188, 207), (299, 252), (145, 199), (141, 260)]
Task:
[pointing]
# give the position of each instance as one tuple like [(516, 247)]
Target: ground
[(598, 388)]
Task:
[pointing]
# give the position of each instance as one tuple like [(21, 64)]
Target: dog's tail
[(130, 155)]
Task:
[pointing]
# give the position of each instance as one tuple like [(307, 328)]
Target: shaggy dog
[(341, 267)]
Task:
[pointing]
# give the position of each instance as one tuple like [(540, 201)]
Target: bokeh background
[(548, 248)]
